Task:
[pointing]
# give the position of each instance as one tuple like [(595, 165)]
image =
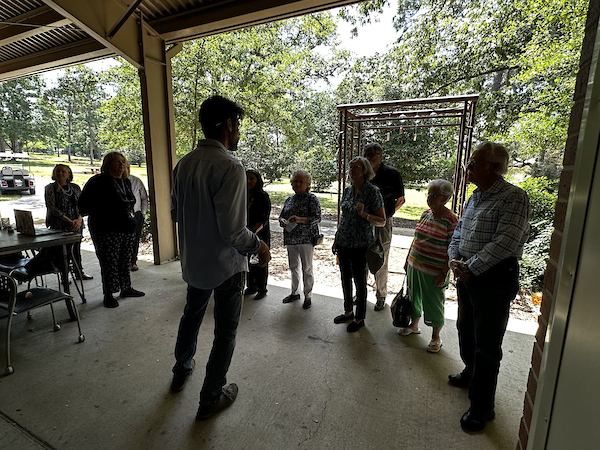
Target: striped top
[(429, 250)]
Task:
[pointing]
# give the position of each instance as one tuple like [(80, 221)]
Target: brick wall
[(559, 217)]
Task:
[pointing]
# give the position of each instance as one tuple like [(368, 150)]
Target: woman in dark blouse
[(362, 210), (108, 200), (62, 209), (259, 210), (300, 217)]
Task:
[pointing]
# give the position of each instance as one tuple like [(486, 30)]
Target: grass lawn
[(42, 166), (416, 200)]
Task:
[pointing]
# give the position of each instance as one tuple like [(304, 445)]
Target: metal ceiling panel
[(32, 30)]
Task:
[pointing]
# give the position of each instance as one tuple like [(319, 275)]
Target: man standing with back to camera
[(389, 182), (484, 256), (208, 201)]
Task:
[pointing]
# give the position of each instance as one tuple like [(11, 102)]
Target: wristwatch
[(465, 269)]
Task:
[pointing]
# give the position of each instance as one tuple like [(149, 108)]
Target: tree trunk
[(91, 134), (69, 132)]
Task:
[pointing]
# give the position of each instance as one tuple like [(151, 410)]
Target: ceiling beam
[(63, 56), (97, 17), (233, 15), (30, 24)]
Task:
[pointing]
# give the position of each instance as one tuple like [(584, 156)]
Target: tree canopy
[(520, 56)]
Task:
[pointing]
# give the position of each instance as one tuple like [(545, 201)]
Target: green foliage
[(122, 128), (269, 70), (520, 56), (19, 116), (535, 257), (542, 194), (321, 163), (74, 105)]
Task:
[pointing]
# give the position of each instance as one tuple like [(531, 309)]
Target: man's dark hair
[(214, 113), (374, 146)]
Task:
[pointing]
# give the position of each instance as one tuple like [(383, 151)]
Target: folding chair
[(14, 303)]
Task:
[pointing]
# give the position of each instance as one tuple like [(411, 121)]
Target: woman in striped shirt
[(427, 263)]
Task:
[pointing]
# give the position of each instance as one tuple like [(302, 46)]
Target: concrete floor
[(305, 383)]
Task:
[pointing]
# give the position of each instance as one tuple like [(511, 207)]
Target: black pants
[(139, 224), (113, 250), (483, 310), (353, 266), (257, 277)]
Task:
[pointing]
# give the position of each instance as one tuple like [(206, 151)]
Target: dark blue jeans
[(353, 266), (483, 310), (227, 311)]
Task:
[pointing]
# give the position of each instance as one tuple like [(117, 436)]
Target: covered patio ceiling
[(40, 35)]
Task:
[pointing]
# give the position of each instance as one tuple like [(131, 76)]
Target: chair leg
[(78, 283), (9, 369), (77, 271), (81, 337), (56, 325)]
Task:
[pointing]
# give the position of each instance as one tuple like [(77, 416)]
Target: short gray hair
[(306, 176), (444, 186), (375, 146), (496, 154), (368, 171)]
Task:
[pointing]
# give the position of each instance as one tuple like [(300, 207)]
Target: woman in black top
[(259, 210), (108, 201), (62, 209)]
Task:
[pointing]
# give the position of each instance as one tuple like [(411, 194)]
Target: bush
[(542, 198)]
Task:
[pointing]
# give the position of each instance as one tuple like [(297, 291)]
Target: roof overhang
[(41, 35)]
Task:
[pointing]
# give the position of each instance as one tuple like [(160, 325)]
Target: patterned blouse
[(355, 231), (305, 205), (61, 202), (429, 250)]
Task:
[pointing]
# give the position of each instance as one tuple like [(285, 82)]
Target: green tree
[(78, 97), (271, 70), (520, 56), (122, 128), (18, 104)]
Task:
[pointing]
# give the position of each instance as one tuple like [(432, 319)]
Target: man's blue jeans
[(483, 310), (227, 311)]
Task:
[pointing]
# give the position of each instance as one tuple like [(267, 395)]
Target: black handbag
[(375, 256), (401, 308), (317, 239)]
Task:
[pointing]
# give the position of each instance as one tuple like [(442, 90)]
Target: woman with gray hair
[(362, 210), (427, 263), (299, 218)]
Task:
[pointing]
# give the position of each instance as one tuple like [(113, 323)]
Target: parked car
[(13, 176)]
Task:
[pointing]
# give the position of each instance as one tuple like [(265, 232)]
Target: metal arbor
[(356, 119)]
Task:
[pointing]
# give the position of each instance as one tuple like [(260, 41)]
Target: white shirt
[(208, 201), (140, 194)]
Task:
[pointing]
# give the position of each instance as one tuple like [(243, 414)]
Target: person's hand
[(264, 255), (457, 268), (360, 207), (334, 248), (282, 223), (440, 279), (76, 224)]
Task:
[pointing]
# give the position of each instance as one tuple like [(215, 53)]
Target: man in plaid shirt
[(484, 253)]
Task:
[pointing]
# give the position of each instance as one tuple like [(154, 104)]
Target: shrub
[(542, 198)]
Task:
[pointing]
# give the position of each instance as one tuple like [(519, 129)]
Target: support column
[(159, 136)]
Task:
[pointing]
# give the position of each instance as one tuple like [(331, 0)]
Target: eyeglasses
[(436, 195), (370, 155), (472, 163)]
